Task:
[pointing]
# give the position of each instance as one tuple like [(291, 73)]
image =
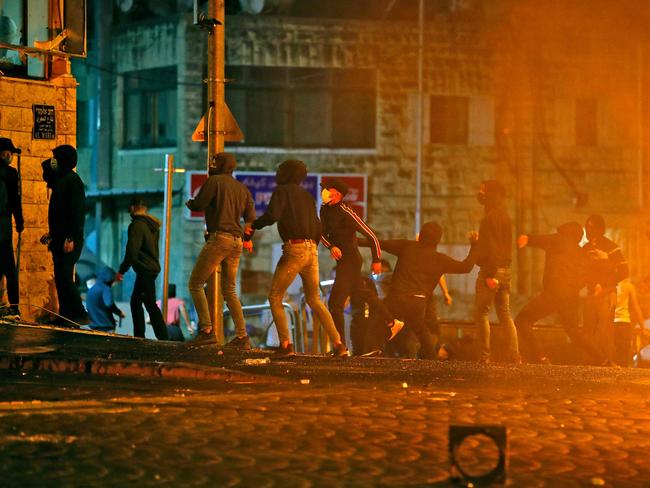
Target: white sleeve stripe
[(363, 224)]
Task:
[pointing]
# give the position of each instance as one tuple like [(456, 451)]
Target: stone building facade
[(554, 105), (17, 97)]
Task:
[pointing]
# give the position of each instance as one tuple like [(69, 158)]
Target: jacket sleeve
[(391, 246), (15, 203), (325, 235), (75, 209), (133, 244), (249, 210), (205, 196), (452, 266), (274, 210), (545, 242), (363, 228), (617, 261)]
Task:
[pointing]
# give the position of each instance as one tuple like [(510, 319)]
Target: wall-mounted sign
[(262, 184), (44, 122)]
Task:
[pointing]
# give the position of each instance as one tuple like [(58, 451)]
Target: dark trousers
[(349, 281), (599, 320), (567, 305), (623, 344), (8, 270), (406, 344), (144, 293), (70, 305), (412, 310)]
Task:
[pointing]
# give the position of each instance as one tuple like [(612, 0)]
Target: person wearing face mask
[(340, 227), (10, 205), (65, 239), (607, 267), (294, 210), (564, 276), (494, 255)]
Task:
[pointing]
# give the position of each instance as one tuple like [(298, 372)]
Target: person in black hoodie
[(607, 268), (294, 209), (66, 218), (494, 255), (340, 227), (142, 254), (417, 272), (10, 205), (564, 276)]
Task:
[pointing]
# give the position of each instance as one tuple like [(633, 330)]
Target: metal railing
[(297, 326)]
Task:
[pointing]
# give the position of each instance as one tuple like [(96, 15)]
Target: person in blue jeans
[(294, 210), (494, 256), (226, 203)]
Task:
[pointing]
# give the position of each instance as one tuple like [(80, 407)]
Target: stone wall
[(16, 122), (522, 74)]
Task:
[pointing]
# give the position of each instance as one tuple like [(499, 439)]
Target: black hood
[(150, 220), (291, 171), (49, 173), (430, 233), (572, 231), (66, 157), (223, 163), (495, 193)]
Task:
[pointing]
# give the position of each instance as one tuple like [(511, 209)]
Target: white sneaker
[(396, 326)]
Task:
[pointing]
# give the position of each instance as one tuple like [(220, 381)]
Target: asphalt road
[(354, 423)]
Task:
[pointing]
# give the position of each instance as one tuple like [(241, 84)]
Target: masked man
[(294, 210), (340, 227), (226, 202), (564, 276), (494, 255), (607, 267), (66, 217), (10, 205)]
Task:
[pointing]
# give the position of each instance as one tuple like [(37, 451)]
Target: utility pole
[(215, 128), (420, 115)]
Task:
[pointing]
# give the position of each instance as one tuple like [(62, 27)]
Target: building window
[(150, 108), (586, 122), (22, 23), (303, 107), (449, 120)]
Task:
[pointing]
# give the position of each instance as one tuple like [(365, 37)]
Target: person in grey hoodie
[(142, 255)]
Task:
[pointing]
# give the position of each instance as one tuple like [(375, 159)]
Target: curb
[(108, 367)]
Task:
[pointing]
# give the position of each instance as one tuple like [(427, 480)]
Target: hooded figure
[(10, 205), (564, 276), (494, 255), (225, 202), (294, 209), (291, 171), (142, 255), (66, 218), (100, 303), (417, 272)]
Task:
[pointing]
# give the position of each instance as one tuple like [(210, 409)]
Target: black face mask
[(5, 161), (49, 173), (480, 196)]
